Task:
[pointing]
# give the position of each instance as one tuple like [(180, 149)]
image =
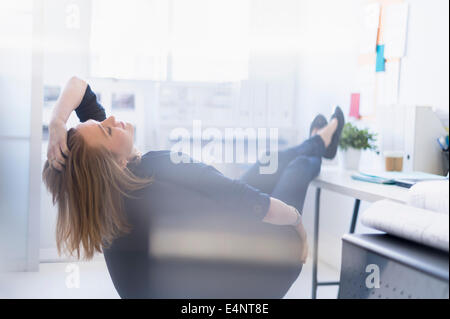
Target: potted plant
[(352, 141)]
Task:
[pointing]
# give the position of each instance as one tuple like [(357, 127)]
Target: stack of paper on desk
[(398, 178), (372, 178), (412, 223)]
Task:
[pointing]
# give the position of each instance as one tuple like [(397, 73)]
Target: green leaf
[(351, 136)]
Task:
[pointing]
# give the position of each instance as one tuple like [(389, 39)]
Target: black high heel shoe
[(319, 122), (332, 148)]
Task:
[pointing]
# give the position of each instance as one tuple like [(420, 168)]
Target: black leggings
[(297, 167)]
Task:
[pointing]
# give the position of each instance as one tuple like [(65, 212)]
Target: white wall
[(20, 108), (424, 78), (327, 77), (66, 39)]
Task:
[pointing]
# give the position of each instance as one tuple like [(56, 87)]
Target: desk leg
[(316, 244), (355, 216), (315, 283)]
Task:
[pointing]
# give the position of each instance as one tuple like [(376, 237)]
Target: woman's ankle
[(327, 132), (326, 140)]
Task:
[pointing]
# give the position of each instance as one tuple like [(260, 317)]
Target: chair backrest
[(203, 251)]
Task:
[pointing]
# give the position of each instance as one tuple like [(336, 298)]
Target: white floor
[(59, 280), (301, 289)]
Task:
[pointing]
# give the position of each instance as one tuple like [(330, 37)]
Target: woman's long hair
[(89, 192)]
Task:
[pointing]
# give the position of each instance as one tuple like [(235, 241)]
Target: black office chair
[(203, 252)]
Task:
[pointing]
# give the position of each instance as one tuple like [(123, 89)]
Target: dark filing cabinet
[(383, 266)]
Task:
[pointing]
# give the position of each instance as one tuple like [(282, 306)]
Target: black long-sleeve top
[(201, 178)]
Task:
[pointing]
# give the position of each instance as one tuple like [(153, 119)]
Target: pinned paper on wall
[(395, 20), (367, 100), (388, 84), (380, 61), (354, 105), (366, 83), (381, 27), (369, 32), (392, 82), (367, 58), (388, 20)]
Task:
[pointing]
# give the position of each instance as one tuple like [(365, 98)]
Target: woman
[(107, 193)]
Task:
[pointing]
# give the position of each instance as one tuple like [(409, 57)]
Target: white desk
[(335, 179)]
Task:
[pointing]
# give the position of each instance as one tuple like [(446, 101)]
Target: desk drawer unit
[(382, 266)]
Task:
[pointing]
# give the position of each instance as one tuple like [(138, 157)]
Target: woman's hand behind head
[(57, 149)]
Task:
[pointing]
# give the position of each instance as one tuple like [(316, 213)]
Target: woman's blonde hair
[(89, 192)]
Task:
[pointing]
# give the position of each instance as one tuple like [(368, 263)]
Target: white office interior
[(239, 63)]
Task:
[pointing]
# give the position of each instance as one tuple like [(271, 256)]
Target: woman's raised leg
[(294, 181), (315, 146), (312, 147)]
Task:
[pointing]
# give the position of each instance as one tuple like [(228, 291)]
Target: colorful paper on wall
[(388, 84), (366, 83), (395, 20), (354, 105), (369, 32), (367, 58), (381, 27), (380, 63)]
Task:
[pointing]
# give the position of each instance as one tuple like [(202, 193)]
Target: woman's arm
[(235, 195), (280, 213), (67, 102)]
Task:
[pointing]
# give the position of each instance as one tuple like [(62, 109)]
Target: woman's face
[(116, 136)]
